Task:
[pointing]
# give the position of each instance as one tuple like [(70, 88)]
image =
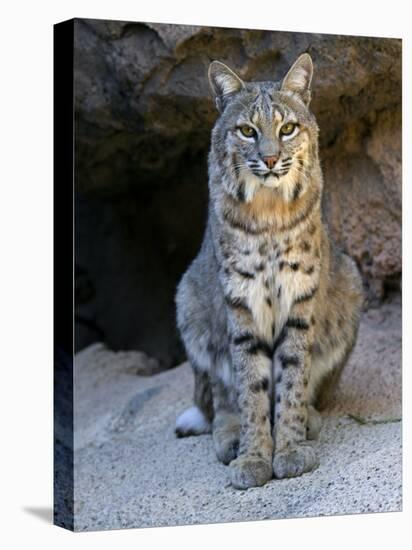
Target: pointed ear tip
[(215, 64), (213, 67), (306, 58)]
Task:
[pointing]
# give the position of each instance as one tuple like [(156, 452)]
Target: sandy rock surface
[(131, 471)]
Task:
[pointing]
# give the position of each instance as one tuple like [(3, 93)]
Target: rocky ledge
[(132, 471)]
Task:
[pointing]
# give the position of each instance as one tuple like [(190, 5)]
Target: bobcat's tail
[(192, 422)]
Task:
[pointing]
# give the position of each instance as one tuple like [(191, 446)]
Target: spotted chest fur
[(270, 274)]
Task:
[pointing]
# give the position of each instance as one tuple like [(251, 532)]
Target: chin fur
[(284, 185)]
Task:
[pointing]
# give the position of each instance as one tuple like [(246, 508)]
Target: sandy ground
[(131, 471)]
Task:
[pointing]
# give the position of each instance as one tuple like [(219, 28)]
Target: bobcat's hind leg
[(226, 429), (314, 423), (197, 419), (226, 423)]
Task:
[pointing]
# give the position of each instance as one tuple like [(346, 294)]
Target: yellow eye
[(248, 131), (287, 129)]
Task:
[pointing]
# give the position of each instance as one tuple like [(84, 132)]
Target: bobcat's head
[(265, 135)]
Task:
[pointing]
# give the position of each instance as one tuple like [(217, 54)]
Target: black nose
[(270, 161)]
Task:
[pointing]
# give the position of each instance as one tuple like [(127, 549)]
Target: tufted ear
[(299, 78), (224, 82)]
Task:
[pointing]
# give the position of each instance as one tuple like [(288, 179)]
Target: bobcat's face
[(266, 133), (270, 138)]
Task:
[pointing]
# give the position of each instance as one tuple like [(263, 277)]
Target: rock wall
[(143, 119)]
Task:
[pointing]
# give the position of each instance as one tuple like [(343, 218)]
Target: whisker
[(238, 169), (304, 174)]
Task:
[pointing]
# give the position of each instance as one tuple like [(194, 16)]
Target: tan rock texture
[(143, 120), (131, 471)]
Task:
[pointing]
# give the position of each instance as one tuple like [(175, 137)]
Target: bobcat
[(269, 309)]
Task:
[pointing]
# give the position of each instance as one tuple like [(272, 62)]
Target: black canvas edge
[(63, 303)]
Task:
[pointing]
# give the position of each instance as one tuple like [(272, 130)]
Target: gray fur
[(269, 308)]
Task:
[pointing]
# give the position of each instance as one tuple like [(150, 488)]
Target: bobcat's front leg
[(252, 363), (293, 455)]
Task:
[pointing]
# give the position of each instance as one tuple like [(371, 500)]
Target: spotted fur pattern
[(269, 309)]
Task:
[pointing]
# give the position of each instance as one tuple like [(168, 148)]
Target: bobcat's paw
[(226, 430), (294, 461), (226, 445), (314, 423), (249, 471)]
